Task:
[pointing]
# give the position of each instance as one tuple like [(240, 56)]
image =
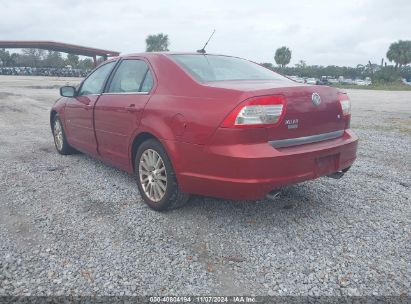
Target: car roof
[(154, 54)]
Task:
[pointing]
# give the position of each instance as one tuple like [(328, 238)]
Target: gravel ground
[(71, 225)]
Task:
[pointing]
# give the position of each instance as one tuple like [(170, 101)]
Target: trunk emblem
[(316, 99), (291, 123)]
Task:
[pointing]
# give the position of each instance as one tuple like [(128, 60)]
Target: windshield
[(207, 68)]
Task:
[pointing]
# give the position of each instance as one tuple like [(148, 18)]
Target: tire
[(60, 141), (156, 179)]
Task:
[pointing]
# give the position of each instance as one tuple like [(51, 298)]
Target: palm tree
[(400, 53), (301, 64), (157, 43), (282, 56)]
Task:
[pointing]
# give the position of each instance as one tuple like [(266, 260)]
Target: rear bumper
[(247, 172)]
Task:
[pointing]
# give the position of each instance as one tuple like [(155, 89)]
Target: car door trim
[(126, 93), (289, 142)]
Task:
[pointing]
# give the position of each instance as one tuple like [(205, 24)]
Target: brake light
[(264, 111), (345, 104)]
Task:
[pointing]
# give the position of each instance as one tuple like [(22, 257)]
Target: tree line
[(377, 72), (37, 58), (399, 53)]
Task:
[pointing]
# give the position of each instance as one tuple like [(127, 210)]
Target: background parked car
[(297, 79), (311, 81)]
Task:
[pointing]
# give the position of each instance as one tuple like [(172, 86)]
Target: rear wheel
[(156, 178), (60, 141)]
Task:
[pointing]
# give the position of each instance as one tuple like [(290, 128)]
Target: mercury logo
[(316, 99)]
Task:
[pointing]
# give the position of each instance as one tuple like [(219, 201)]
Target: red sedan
[(204, 124)]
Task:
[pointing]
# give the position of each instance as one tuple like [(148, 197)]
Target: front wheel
[(156, 178), (60, 141)]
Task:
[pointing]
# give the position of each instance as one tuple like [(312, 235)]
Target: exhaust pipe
[(338, 174)]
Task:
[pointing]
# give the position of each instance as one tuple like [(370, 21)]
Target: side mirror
[(68, 91)]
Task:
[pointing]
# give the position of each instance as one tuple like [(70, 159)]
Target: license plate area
[(327, 164)]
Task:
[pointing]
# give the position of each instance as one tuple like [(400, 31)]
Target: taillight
[(345, 104), (345, 108), (264, 111)]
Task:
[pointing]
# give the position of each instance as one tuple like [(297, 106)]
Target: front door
[(79, 110), (118, 111)]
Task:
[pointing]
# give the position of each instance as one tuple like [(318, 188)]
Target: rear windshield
[(207, 68)]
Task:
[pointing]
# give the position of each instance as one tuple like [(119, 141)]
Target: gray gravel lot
[(71, 225)]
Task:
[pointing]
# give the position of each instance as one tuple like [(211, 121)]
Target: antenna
[(203, 51)]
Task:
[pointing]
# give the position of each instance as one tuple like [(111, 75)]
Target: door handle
[(88, 107), (132, 108)]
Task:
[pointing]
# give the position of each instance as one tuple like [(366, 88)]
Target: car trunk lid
[(304, 116), (309, 110)]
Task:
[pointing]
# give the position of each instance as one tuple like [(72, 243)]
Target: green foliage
[(157, 43), (268, 65), (72, 60), (387, 74), (400, 53), (282, 56), (301, 64), (14, 57), (32, 57), (85, 64), (361, 71), (54, 59), (39, 58), (318, 71), (5, 58), (386, 86)]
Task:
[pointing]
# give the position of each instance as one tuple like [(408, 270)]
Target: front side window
[(207, 68), (131, 76), (94, 84)]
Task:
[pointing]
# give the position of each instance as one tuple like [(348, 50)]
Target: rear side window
[(131, 76), (147, 83), (207, 68)]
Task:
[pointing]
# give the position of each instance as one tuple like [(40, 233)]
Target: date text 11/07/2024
[(203, 299)]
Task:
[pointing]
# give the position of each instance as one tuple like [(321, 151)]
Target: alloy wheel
[(153, 175), (58, 134)]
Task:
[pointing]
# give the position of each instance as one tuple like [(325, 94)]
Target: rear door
[(118, 111), (79, 110)]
